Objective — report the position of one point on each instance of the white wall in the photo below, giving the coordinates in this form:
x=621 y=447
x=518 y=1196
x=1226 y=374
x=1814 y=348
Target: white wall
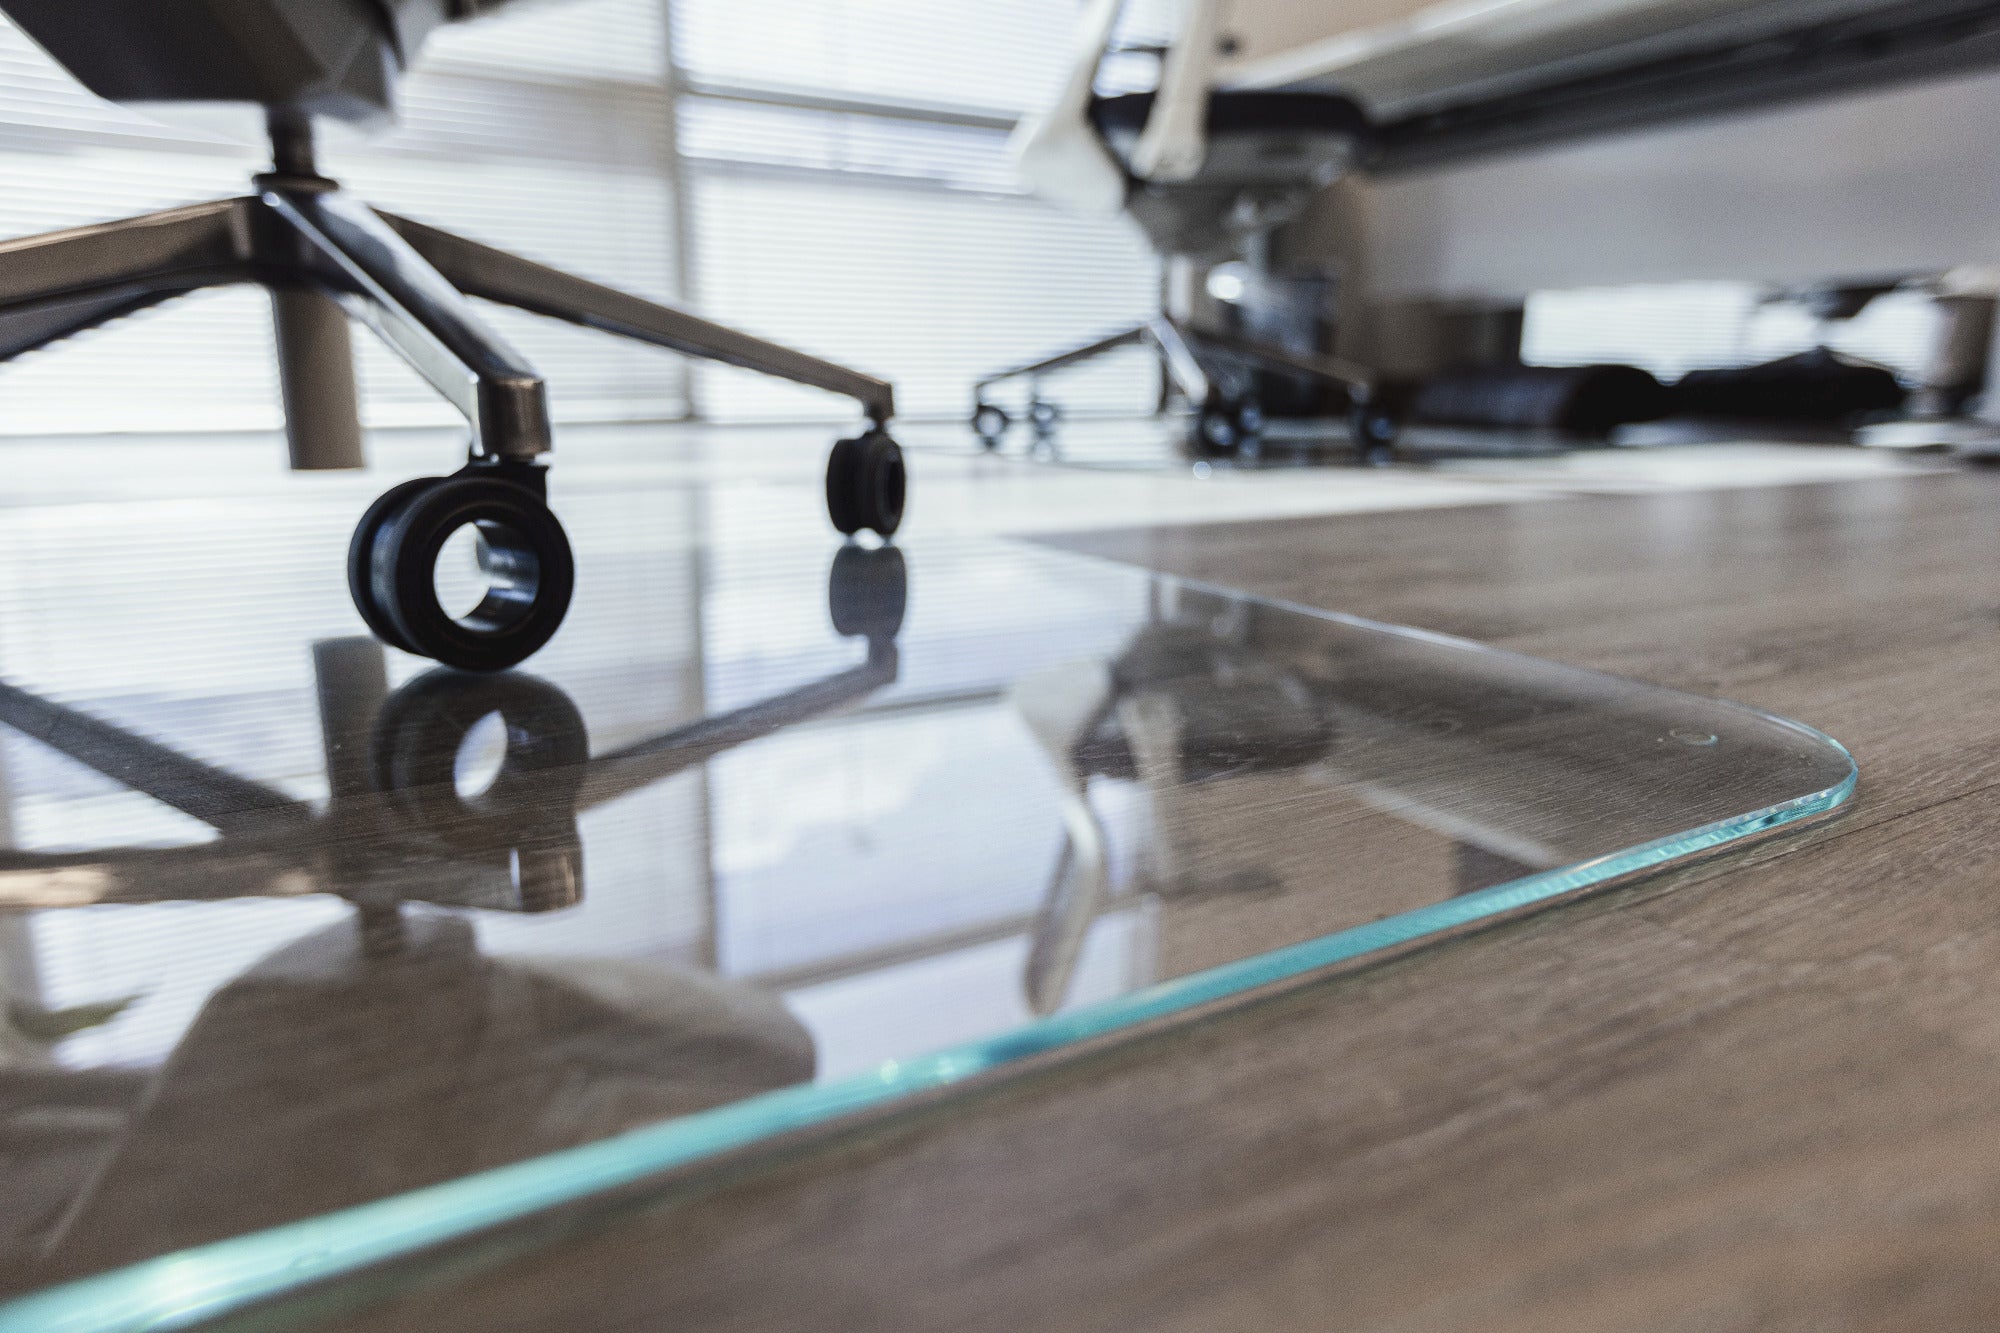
x=1904 y=180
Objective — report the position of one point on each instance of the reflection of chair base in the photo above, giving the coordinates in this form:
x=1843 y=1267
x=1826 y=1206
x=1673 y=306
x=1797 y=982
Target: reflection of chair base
x=1213 y=374
x=326 y=256
x=395 y=826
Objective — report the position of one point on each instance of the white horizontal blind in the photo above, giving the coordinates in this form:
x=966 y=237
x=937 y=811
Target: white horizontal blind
x=849 y=194
x=69 y=158
x=1672 y=328
x=542 y=129
x=1000 y=55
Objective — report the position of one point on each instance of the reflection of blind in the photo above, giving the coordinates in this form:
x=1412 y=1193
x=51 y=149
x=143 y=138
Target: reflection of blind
x=1671 y=328
x=849 y=193
x=542 y=130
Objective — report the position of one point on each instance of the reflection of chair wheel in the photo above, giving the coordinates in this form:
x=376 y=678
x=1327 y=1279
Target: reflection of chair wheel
x=525 y=810
x=989 y=423
x=392 y=569
x=422 y=729
x=866 y=591
x=864 y=484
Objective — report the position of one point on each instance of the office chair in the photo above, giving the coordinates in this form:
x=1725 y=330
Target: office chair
x=1202 y=170
x=327 y=256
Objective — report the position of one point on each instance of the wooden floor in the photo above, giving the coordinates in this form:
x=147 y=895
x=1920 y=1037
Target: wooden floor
x=1761 y=1092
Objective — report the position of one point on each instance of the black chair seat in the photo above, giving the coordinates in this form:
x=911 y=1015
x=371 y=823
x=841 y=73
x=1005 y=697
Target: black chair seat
x=1244 y=111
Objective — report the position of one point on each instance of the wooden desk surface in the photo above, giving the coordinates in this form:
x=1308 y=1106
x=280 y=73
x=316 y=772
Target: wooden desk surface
x=1761 y=1092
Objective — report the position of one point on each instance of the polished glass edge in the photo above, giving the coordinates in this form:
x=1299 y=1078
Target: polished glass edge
x=179 y=1290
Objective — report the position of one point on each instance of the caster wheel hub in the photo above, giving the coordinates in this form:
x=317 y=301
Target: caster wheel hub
x=523 y=556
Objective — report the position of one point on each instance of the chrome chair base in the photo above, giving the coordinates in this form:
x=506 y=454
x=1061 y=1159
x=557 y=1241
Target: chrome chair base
x=326 y=257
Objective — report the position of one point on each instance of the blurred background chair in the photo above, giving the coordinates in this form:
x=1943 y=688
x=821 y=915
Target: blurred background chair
x=326 y=256
x=1206 y=173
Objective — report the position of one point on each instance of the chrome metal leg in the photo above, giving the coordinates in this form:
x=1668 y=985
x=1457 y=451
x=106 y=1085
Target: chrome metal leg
x=177 y=250
x=494 y=275
x=1063 y=360
x=63 y=282
x=419 y=313
x=26 y=328
x=1178 y=355
x=1330 y=368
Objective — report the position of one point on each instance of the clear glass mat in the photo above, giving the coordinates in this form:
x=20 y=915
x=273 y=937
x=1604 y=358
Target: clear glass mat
x=313 y=958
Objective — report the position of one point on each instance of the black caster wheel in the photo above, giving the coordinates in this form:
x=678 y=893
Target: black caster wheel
x=866 y=591
x=1044 y=417
x=1374 y=427
x=989 y=423
x=360 y=552
x=392 y=570
x=1216 y=433
x=1249 y=432
x=864 y=485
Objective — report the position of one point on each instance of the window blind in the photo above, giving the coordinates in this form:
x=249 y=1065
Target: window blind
x=1001 y=55
x=543 y=130
x=849 y=193
x=846 y=191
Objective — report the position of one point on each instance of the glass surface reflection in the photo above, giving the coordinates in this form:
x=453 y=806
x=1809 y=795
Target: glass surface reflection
x=349 y=940
x=388 y=1050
